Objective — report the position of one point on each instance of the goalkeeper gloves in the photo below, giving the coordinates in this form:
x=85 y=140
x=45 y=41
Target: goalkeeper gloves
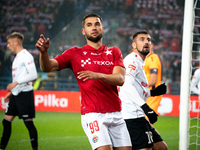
x=159 y=90
x=150 y=113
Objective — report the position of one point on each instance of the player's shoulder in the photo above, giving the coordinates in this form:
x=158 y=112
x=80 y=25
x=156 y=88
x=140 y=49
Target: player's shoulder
x=133 y=63
x=154 y=55
x=72 y=49
x=26 y=54
x=132 y=58
x=153 y=58
x=115 y=51
x=75 y=48
x=114 y=48
x=197 y=71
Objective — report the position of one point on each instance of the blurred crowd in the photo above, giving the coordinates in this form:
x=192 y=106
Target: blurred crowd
x=32 y=18
x=163 y=19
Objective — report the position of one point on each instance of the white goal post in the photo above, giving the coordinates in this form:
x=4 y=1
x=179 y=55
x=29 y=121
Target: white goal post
x=186 y=73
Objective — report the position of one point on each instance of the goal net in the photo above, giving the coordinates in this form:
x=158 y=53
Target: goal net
x=194 y=122
x=189 y=125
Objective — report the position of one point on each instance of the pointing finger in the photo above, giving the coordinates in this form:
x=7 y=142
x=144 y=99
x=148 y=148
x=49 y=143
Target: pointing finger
x=48 y=41
x=42 y=36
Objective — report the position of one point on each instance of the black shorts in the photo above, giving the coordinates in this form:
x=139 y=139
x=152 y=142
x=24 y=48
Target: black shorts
x=142 y=134
x=22 y=105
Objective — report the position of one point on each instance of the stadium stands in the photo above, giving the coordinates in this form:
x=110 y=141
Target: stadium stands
x=58 y=19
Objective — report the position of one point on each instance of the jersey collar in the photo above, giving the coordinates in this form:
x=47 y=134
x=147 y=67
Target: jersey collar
x=90 y=48
x=138 y=56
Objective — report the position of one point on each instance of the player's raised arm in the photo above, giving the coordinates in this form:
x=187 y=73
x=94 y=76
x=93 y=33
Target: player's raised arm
x=46 y=64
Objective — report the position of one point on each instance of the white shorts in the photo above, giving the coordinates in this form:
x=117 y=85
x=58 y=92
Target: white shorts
x=106 y=129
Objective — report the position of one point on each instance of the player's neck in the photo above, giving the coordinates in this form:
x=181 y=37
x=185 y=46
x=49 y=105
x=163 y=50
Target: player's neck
x=19 y=49
x=96 y=45
x=141 y=55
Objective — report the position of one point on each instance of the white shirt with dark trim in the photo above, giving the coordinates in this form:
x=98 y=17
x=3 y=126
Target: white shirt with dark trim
x=23 y=71
x=135 y=90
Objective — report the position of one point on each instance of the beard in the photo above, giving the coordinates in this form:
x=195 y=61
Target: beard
x=143 y=52
x=94 y=39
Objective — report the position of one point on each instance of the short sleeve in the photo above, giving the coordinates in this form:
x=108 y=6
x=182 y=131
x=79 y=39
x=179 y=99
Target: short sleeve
x=64 y=60
x=154 y=62
x=118 y=58
x=131 y=68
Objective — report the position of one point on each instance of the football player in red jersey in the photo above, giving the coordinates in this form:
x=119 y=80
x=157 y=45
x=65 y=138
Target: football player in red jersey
x=99 y=70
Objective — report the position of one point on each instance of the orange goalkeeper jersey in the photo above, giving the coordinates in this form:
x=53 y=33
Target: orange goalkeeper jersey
x=153 y=62
x=150 y=63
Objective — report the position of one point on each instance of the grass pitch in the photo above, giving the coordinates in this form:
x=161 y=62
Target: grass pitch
x=63 y=131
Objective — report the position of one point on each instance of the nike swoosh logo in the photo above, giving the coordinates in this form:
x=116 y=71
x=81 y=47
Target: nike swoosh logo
x=150 y=112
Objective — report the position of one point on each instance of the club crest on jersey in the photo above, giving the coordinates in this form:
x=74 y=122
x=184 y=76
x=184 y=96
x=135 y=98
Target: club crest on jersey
x=108 y=52
x=87 y=61
x=95 y=138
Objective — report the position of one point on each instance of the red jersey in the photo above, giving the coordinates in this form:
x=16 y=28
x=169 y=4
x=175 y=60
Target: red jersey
x=96 y=95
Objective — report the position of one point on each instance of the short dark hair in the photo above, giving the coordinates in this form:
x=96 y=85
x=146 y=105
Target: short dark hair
x=16 y=35
x=139 y=32
x=91 y=15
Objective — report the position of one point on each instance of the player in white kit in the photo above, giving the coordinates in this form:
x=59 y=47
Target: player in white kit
x=195 y=83
x=20 y=92
x=134 y=93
